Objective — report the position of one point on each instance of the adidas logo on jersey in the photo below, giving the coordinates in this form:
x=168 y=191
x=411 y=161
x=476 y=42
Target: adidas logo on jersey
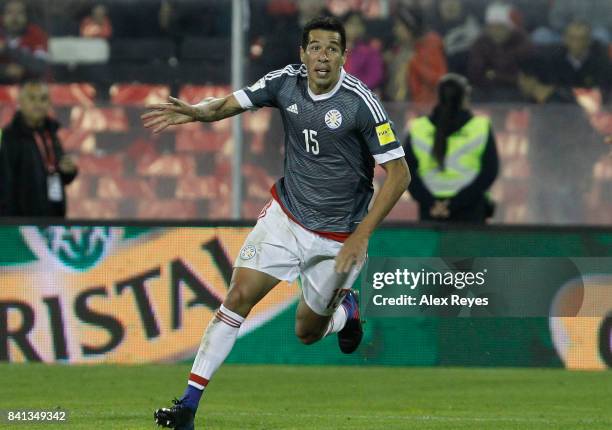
x=293 y=108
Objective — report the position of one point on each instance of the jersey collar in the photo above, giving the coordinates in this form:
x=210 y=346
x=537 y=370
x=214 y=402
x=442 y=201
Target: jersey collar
x=325 y=96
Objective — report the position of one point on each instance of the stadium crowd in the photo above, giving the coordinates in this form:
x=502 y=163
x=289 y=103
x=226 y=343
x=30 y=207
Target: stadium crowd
x=540 y=69
x=399 y=48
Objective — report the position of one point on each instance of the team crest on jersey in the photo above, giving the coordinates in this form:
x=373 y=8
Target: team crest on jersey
x=333 y=119
x=247 y=252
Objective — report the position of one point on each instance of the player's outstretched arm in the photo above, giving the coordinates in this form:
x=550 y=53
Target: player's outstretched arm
x=160 y=116
x=355 y=247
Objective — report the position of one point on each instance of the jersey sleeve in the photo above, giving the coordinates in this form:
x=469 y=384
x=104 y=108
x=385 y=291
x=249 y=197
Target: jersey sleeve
x=261 y=93
x=377 y=130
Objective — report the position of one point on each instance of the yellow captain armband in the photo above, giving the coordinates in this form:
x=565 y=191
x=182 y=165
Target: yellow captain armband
x=385 y=134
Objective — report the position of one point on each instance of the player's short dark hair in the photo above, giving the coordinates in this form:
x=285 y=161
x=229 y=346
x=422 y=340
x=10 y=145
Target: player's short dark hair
x=328 y=23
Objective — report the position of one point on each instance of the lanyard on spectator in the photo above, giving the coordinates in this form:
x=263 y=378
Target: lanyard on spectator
x=45 y=146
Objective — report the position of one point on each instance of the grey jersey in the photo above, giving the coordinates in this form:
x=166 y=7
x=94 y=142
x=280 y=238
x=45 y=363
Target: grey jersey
x=332 y=141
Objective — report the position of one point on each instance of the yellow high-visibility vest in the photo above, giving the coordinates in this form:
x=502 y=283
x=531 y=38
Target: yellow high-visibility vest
x=463 y=155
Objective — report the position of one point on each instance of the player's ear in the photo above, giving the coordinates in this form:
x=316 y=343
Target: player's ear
x=302 y=53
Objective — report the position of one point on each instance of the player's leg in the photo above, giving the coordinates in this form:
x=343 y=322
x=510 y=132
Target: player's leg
x=310 y=326
x=247 y=288
x=267 y=256
x=328 y=305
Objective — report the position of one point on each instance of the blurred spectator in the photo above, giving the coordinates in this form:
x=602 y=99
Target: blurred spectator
x=33 y=167
x=459 y=30
x=416 y=62
x=530 y=14
x=452 y=158
x=169 y=19
x=309 y=9
x=341 y=8
x=582 y=62
x=598 y=13
x=536 y=89
x=364 y=57
x=561 y=140
x=267 y=50
x=494 y=58
x=23 y=45
x=62 y=18
x=97 y=24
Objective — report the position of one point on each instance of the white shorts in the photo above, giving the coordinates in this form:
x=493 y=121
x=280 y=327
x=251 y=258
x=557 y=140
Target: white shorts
x=285 y=250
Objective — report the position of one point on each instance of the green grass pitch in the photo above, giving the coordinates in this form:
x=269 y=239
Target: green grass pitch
x=316 y=398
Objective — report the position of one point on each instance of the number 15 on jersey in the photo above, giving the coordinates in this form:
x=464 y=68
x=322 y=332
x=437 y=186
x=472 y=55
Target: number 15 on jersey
x=310 y=138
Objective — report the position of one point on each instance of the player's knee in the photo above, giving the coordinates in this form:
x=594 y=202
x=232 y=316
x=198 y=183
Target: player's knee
x=307 y=336
x=238 y=299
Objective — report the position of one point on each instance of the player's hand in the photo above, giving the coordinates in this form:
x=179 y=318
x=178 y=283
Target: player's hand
x=353 y=252
x=162 y=115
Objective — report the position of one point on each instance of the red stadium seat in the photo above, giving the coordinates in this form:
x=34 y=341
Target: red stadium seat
x=200 y=140
x=9 y=93
x=101 y=165
x=93 y=209
x=118 y=188
x=168 y=209
x=6 y=113
x=138 y=94
x=80 y=188
x=167 y=165
x=196 y=93
x=77 y=140
x=206 y=187
x=72 y=94
x=99 y=119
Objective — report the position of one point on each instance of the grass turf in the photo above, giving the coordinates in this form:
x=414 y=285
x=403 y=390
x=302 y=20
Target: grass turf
x=316 y=398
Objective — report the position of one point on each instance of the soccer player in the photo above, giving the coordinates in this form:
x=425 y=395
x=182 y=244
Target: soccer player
x=317 y=225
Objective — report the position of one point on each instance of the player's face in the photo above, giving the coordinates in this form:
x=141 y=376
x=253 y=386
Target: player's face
x=323 y=58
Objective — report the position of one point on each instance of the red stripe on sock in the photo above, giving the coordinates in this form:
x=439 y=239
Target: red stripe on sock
x=228 y=318
x=223 y=318
x=234 y=320
x=198 y=379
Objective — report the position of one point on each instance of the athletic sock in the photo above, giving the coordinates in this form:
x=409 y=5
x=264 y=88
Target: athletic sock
x=216 y=344
x=191 y=397
x=337 y=321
